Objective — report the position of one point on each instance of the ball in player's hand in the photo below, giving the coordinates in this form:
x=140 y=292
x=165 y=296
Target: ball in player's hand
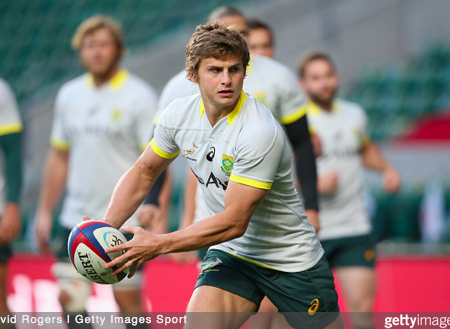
x=86 y=246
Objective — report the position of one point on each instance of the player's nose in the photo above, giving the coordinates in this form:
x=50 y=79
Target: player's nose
x=226 y=78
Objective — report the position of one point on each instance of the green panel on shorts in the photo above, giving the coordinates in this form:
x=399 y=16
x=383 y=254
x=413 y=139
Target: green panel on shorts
x=351 y=251
x=309 y=296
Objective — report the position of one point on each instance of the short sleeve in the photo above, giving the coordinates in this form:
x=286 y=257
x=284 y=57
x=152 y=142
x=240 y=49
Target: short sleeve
x=291 y=98
x=9 y=114
x=363 y=133
x=253 y=167
x=59 y=138
x=144 y=122
x=163 y=142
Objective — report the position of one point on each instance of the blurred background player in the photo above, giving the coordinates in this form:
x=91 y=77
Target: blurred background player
x=260 y=38
x=346 y=149
x=10 y=181
x=104 y=117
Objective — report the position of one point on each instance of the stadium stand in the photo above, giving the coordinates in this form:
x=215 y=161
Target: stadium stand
x=35 y=35
x=397 y=95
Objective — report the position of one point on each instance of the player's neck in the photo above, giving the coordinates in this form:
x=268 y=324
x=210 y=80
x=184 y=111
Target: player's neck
x=101 y=79
x=326 y=106
x=215 y=112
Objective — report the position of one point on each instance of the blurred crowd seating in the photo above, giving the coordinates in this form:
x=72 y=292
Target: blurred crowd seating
x=396 y=95
x=35 y=35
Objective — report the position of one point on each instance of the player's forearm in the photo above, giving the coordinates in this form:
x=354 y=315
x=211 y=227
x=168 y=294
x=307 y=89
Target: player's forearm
x=305 y=161
x=129 y=194
x=207 y=232
x=373 y=159
x=54 y=180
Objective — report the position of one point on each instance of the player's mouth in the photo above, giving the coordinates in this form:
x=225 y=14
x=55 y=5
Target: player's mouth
x=226 y=93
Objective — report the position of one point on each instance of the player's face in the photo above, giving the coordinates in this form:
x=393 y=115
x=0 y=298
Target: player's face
x=238 y=22
x=320 y=82
x=220 y=81
x=260 y=42
x=99 y=52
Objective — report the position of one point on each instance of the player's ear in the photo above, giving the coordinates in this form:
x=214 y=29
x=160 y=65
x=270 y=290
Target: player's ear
x=192 y=77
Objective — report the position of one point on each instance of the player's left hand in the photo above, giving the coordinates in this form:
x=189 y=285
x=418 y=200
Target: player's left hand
x=313 y=218
x=391 y=180
x=10 y=223
x=143 y=247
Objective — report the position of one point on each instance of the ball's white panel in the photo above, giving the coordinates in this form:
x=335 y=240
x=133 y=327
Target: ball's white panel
x=91 y=266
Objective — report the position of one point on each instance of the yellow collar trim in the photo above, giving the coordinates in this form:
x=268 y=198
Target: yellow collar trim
x=233 y=115
x=314 y=110
x=114 y=83
x=250 y=65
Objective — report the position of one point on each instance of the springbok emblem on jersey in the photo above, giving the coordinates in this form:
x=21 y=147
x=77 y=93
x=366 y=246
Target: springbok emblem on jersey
x=190 y=151
x=227 y=165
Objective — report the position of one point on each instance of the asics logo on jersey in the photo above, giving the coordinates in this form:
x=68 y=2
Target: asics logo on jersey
x=190 y=151
x=314 y=306
x=210 y=155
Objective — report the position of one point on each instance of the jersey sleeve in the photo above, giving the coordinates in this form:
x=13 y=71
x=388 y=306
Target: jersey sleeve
x=144 y=121
x=363 y=133
x=257 y=159
x=290 y=99
x=59 y=138
x=163 y=142
x=9 y=114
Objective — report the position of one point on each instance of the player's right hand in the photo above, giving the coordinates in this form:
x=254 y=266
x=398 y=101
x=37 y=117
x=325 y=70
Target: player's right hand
x=44 y=225
x=327 y=183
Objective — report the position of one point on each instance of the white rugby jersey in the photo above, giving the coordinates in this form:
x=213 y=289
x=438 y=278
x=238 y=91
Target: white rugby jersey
x=342 y=133
x=248 y=147
x=270 y=82
x=10 y=123
x=105 y=130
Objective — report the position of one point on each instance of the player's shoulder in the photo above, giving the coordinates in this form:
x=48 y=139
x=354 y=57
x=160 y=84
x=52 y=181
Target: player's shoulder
x=271 y=65
x=181 y=111
x=350 y=108
x=74 y=85
x=5 y=89
x=140 y=86
x=259 y=127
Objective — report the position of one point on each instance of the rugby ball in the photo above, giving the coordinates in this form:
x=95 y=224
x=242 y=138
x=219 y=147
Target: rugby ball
x=86 y=246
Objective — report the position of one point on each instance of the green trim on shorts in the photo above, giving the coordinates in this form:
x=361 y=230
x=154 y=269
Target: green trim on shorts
x=350 y=251
x=308 y=296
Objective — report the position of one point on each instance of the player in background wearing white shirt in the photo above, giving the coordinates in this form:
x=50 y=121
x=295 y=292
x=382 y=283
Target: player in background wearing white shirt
x=341 y=127
x=261 y=241
x=260 y=38
x=102 y=123
x=10 y=181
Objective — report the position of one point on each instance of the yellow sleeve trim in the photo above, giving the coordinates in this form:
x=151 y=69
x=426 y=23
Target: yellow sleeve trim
x=250 y=182
x=143 y=146
x=294 y=116
x=160 y=152
x=250 y=261
x=59 y=144
x=10 y=128
x=155 y=120
x=365 y=141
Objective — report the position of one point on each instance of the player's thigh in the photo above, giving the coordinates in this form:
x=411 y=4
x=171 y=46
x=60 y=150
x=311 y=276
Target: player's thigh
x=358 y=283
x=212 y=307
x=308 y=299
